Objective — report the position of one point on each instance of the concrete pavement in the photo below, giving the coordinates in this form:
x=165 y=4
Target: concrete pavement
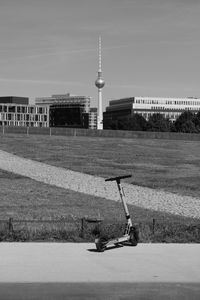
x=78 y=262
x=48 y=271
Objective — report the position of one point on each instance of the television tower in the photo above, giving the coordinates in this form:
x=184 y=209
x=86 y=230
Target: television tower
x=100 y=84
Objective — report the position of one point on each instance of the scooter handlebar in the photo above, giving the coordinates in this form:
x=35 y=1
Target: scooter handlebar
x=118 y=178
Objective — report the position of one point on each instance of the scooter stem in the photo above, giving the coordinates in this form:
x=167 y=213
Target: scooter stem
x=122 y=196
x=121 y=192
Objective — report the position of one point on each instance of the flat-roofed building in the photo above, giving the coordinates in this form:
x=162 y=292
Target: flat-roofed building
x=67 y=110
x=93 y=118
x=14 y=99
x=146 y=106
x=15 y=111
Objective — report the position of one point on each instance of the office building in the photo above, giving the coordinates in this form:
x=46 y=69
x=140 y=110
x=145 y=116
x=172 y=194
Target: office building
x=93 y=118
x=14 y=99
x=146 y=106
x=15 y=111
x=66 y=110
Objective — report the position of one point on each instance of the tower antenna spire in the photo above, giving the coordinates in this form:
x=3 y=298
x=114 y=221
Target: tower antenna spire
x=99 y=53
x=99 y=84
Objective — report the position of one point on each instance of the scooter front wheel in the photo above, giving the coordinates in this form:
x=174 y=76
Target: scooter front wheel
x=100 y=244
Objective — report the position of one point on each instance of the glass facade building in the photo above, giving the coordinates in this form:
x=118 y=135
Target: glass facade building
x=66 y=110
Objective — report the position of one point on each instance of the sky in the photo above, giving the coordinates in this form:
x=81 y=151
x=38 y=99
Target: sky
x=149 y=48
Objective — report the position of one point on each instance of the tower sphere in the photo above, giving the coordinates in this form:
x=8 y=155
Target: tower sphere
x=99 y=83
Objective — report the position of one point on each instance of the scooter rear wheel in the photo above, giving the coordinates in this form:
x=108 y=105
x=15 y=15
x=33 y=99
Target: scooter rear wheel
x=134 y=236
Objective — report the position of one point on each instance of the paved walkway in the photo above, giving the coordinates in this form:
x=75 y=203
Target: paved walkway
x=96 y=186
x=78 y=262
x=55 y=271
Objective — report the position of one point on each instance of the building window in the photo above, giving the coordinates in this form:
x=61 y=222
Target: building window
x=11 y=108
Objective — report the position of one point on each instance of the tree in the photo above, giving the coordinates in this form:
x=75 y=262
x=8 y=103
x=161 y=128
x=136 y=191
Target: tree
x=157 y=122
x=113 y=125
x=196 y=121
x=185 y=122
x=188 y=127
x=137 y=122
x=133 y=122
x=122 y=124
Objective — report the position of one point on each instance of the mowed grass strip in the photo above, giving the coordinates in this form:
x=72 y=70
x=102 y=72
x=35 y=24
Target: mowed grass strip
x=24 y=199
x=169 y=165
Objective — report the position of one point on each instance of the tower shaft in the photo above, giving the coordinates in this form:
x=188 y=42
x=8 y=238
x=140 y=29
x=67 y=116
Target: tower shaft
x=100 y=111
x=99 y=84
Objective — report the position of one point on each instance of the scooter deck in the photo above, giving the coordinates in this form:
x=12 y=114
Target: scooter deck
x=119 y=240
x=114 y=242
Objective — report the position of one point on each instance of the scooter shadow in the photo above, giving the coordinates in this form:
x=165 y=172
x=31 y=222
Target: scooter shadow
x=107 y=249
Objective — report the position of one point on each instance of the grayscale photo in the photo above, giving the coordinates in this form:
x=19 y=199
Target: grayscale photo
x=99 y=149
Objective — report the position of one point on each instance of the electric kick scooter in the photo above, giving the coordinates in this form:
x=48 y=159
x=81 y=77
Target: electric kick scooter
x=131 y=233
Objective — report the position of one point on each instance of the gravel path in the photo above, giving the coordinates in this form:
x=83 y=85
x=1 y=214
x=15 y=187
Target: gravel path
x=96 y=186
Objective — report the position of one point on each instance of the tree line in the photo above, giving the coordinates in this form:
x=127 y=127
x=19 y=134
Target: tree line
x=187 y=122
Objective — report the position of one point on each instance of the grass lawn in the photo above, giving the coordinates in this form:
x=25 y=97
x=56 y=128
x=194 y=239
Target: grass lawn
x=22 y=198
x=169 y=165
x=161 y=164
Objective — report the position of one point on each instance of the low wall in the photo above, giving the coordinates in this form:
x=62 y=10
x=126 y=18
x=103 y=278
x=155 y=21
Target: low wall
x=99 y=133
